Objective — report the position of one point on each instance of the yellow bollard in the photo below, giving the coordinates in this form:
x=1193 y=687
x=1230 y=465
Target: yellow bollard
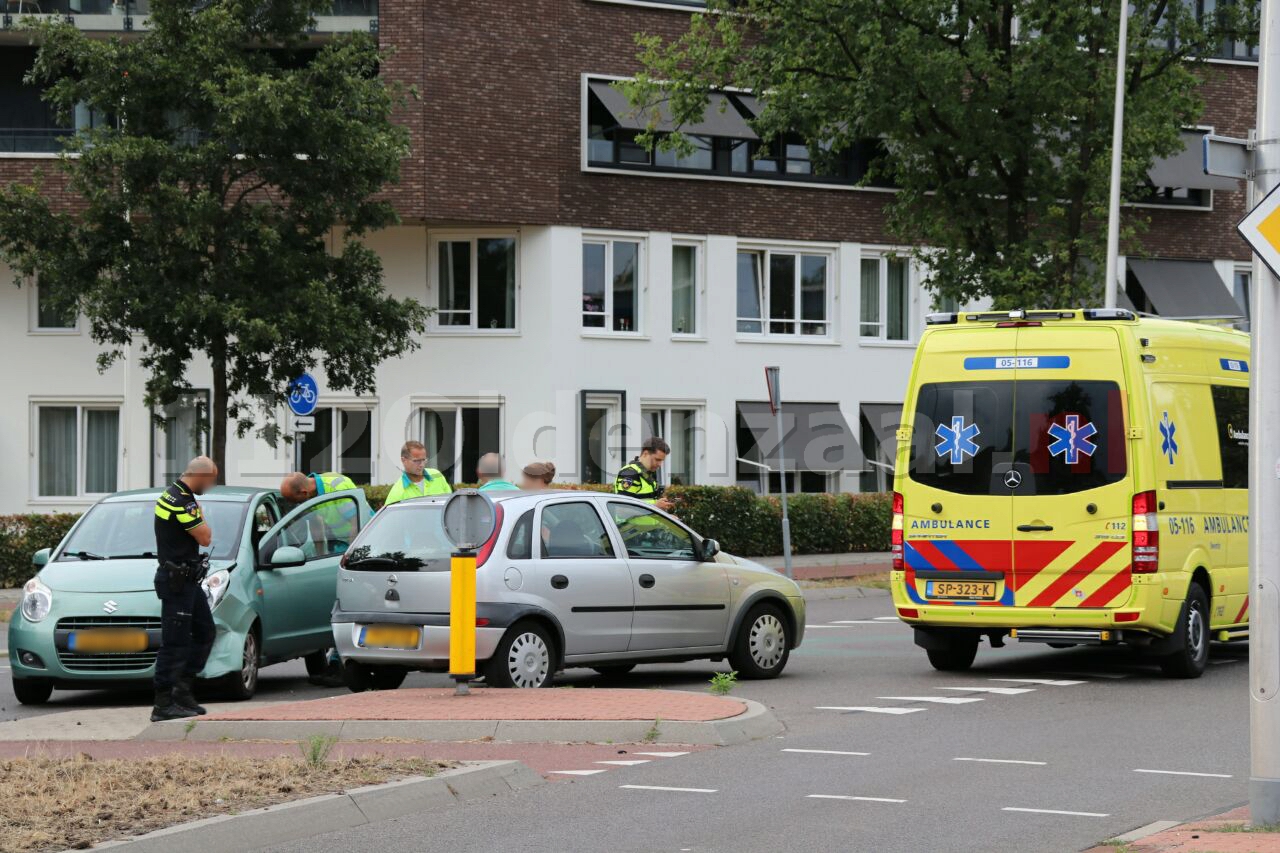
x=462 y=619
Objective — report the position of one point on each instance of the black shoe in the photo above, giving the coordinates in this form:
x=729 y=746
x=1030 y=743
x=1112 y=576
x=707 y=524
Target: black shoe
x=166 y=709
x=184 y=697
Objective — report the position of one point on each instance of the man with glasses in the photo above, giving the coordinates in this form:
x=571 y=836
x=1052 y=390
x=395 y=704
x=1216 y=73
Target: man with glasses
x=417 y=480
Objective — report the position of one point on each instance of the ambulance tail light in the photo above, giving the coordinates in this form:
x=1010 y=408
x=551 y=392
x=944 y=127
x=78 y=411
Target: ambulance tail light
x=898 y=563
x=1146 y=534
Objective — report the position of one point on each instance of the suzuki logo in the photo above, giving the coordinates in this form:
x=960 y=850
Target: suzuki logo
x=110 y=607
x=1012 y=479
x=393 y=580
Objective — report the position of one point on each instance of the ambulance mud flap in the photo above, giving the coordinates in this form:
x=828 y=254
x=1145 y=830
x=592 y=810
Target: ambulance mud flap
x=1160 y=646
x=941 y=639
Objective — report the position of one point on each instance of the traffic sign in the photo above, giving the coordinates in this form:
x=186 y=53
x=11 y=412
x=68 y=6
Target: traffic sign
x=304 y=423
x=1261 y=230
x=469 y=519
x=1228 y=157
x=304 y=393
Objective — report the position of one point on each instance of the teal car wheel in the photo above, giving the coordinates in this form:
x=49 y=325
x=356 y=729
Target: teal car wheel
x=240 y=686
x=32 y=691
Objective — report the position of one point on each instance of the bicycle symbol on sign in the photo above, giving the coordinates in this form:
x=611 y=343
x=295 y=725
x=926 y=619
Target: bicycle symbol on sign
x=302 y=393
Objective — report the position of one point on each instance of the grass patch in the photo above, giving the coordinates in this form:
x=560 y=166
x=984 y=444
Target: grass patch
x=1242 y=827
x=51 y=804
x=722 y=683
x=879 y=580
x=654 y=732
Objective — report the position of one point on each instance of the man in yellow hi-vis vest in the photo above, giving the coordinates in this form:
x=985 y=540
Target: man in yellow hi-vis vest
x=639 y=478
x=340 y=519
x=417 y=480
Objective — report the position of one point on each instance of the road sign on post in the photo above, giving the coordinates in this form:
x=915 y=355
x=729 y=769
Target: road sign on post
x=304 y=424
x=1228 y=157
x=469 y=519
x=773 y=377
x=1262 y=229
x=304 y=393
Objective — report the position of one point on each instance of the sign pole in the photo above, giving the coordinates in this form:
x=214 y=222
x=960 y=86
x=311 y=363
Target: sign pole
x=773 y=375
x=1117 y=157
x=1264 y=457
x=462 y=620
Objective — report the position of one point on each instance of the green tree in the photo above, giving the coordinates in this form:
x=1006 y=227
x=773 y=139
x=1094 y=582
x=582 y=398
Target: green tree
x=994 y=116
x=230 y=172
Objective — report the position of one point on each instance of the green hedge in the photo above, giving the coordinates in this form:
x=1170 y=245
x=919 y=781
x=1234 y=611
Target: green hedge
x=743 y=522
x=23 y=535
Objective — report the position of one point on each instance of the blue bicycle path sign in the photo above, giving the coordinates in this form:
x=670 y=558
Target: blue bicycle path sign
x=303 y=395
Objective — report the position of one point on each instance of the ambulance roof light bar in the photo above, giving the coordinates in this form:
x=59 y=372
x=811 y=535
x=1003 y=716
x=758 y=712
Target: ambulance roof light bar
x=1109 y=314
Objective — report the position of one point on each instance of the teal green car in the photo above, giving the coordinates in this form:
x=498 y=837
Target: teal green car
x=90 y=618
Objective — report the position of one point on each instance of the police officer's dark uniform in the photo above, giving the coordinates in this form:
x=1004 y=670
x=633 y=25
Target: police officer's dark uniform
x=186 y=625
x=638 y=481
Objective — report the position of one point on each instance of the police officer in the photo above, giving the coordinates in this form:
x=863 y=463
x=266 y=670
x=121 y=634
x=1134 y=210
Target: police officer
x=186 y=625
x=639 y=478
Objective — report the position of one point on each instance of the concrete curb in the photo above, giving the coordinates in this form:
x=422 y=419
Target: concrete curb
x=755 y=722
x=331 y=812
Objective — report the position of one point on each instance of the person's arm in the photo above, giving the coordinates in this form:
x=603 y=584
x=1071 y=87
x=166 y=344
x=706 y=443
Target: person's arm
x=192 y=520
x=629 y=482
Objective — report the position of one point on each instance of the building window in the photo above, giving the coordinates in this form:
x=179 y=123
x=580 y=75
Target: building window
x=685 y=289
x=1241 y=289
x=679 y=428
x=48 y=315
x=611 y=285
x=885 y=303
x=783 y=294
x=815 y=444
x=77 y=450
x=183 y=435
x=878 y=425
x=457 y=436
x=475 y=282
x=342 y=442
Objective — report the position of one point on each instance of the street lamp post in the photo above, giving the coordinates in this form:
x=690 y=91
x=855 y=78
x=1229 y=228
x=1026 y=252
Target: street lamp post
x=1117 y=158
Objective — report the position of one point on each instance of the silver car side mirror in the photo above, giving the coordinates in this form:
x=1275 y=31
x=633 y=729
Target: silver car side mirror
x=710 y=548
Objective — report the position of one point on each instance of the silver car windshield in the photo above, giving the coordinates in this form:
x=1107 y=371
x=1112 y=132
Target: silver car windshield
x=407 y=538
x=126 y=529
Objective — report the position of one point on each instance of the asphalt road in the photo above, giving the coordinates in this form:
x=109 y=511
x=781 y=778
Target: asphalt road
x=1052 y=760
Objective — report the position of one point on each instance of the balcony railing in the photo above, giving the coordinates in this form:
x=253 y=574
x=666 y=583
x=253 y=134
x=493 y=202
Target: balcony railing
x=125 y=15
x=33 y=140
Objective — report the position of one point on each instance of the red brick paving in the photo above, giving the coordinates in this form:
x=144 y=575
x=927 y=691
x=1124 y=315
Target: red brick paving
x=1205 y=836
x=541 y=757
x=488 y=704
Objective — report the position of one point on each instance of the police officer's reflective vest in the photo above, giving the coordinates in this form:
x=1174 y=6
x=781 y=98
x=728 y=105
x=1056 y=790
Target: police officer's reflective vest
x=433 y=483
x=340 y=517
x=639 y=482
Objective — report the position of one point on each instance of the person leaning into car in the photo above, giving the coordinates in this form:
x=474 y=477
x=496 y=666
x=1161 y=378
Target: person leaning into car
x=186 y=625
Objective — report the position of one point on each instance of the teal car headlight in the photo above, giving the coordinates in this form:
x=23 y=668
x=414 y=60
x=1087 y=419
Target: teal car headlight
x=37 y=600
x=215 y=586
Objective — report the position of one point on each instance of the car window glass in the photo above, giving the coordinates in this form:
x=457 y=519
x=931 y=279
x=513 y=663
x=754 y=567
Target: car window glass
x=1231 y=411
x=960 y=433
x=648 y=535
x=520 y=546
x=263 y=518
x=1069 y=434
x=324 y=530
x=573 y=530
x=127 y=529
x=407 y=536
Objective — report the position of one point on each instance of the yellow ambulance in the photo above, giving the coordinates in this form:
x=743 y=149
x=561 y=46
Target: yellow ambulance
x=1074 y=478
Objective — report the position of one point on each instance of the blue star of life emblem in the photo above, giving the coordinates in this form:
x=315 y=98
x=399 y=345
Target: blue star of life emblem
x=1072 y=439
x=1168 y=447
x=957 y=440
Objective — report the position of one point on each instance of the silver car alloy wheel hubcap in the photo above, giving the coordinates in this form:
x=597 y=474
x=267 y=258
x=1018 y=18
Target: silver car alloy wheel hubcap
x=249 y=667
x=1195 y=632
x=768 y=639
x=529 y=660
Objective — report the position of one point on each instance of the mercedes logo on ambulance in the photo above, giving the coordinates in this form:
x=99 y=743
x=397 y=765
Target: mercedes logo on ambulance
x=1012 y=479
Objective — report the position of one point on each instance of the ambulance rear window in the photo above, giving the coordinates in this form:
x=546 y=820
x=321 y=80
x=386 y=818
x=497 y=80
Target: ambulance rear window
x=1060 y=436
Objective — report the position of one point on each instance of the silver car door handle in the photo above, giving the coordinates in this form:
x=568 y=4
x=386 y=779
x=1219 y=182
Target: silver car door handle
x=647 y=581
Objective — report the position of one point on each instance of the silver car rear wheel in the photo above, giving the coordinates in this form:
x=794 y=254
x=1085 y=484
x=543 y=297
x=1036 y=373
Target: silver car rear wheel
x=762 y=644
x=525 y=658
x=768 y=640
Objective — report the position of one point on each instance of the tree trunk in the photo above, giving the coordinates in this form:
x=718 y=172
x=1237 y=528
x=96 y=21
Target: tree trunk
x=218 y=418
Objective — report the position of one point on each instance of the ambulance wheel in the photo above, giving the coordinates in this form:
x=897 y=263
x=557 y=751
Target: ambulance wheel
x=1190 y=660
x=956 y=656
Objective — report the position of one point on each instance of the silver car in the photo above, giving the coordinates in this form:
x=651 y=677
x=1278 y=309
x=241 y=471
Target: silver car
x=568 y=579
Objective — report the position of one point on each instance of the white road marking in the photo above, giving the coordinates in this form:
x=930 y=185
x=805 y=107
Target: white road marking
x=941 y=700
x=1002 y=761
x=1111 y=675
x=1186 y=773
x=631 y=763
x=825 y=626
x=1054 y=811
x=888 y=619
x=868 y=709
x=825 y=752
x=663 y=754
x=577 y=772
x=662 y=788
x=859 y=621
x=1046 y=681
x=1225 y=660
x=859 y=799
x=999 y=691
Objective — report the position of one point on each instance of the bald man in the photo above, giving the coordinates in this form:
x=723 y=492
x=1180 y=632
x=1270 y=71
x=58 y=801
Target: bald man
x=186 y=625
x=489 y=475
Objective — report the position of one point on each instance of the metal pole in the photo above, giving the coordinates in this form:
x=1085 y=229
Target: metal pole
x=1264 y=459
x=782 y=482
x=1117 y=157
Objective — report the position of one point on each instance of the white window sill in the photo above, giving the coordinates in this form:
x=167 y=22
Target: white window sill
x=53 y=332
x=615 y=336
x=459 y=332
x=884 y=344
x=697 y=339
x=785 y=340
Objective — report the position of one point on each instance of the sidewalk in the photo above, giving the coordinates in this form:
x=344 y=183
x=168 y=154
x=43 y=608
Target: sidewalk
x=812 y=567
x=1224 y=833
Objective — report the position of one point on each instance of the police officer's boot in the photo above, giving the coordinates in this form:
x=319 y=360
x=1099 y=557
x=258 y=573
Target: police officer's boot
x=184 y=696
x=167 y=709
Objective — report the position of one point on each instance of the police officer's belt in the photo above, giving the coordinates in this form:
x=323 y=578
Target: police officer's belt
x=194 y=571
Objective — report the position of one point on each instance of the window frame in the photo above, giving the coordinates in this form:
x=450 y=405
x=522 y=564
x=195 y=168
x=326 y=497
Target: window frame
x=699 y=247
x=418 y=431
x=435 y=239
x=605 y=524
x=608 y=239
x=82 y=406
x=883 y=258
x=33 y=315
x=697 y=410
x=335 y=461
x=159 y=434
x=764 y=254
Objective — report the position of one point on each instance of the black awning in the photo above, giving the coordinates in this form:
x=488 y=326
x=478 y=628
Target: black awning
x=816 y=437
x=720 y=119
x=1186 y=168
x=1188 y=290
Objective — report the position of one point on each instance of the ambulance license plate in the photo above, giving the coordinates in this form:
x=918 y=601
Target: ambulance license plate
x=390 y=636
x=967 y=590
x=106 y=641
